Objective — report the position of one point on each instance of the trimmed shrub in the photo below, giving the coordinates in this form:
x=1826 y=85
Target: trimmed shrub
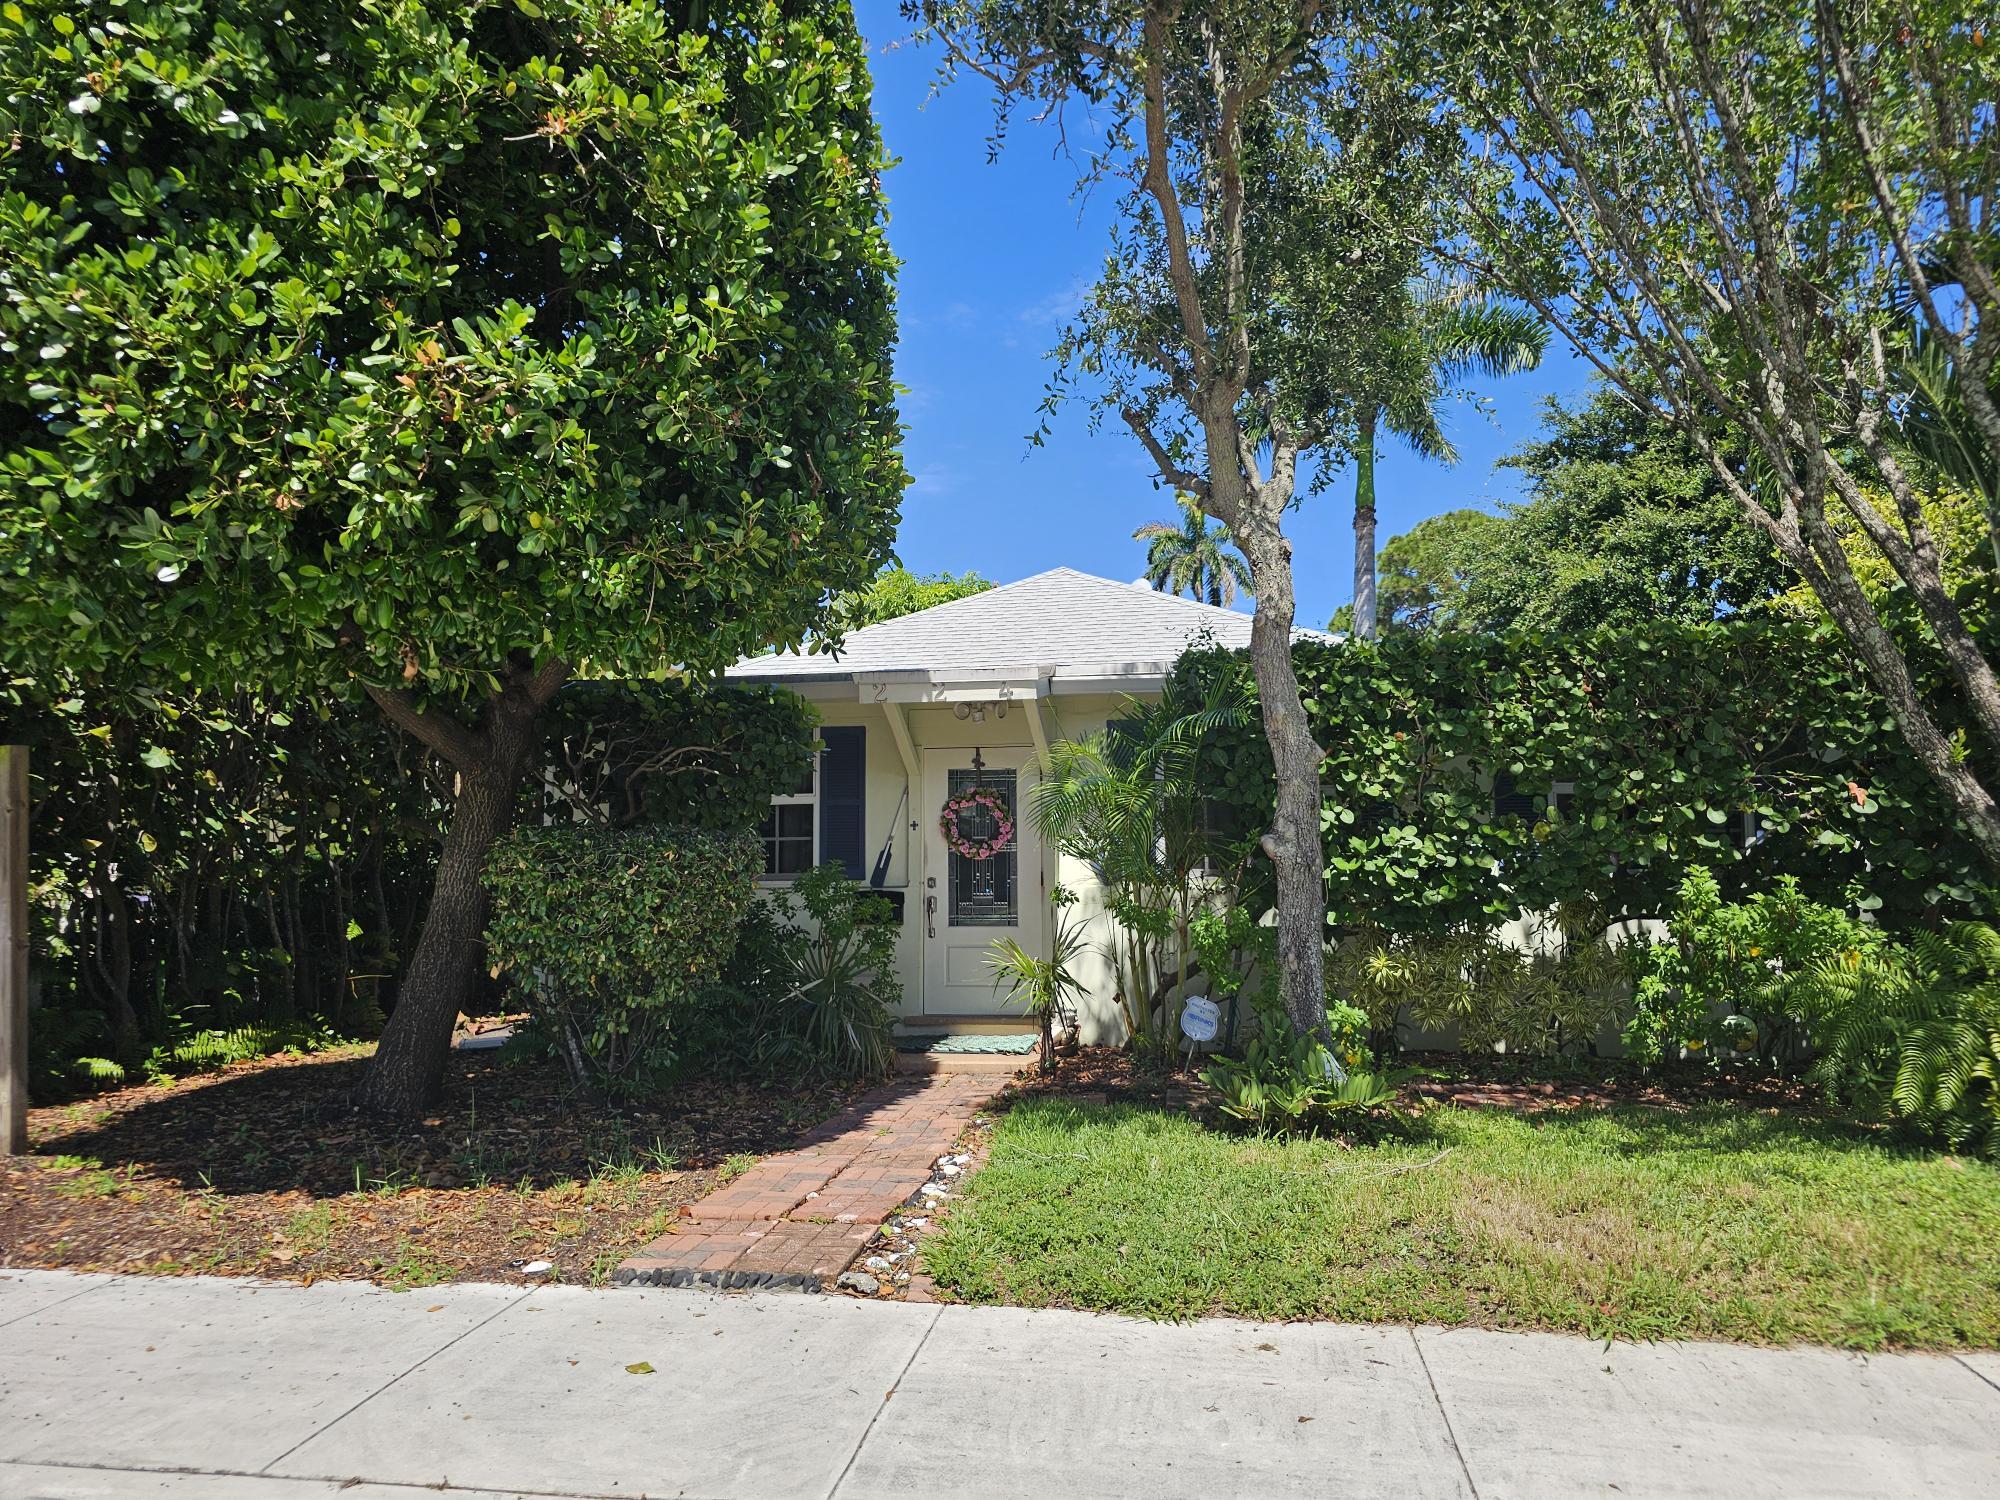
x=607 y=935
x=1722 y=982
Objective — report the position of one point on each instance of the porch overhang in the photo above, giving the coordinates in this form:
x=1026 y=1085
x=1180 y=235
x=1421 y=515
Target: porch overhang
x=921 y=685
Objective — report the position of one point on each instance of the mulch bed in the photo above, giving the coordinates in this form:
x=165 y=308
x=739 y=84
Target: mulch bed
x=266 y=1169
x=1525 y=1085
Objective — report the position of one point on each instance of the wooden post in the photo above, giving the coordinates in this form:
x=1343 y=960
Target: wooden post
x=13 y=950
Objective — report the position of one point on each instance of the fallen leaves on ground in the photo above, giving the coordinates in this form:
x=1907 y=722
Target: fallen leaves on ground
x=267 y=1169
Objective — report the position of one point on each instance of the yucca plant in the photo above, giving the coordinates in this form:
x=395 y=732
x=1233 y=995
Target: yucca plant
x=1912 y=1033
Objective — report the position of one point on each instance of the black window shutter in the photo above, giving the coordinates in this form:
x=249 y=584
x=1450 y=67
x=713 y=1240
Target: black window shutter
x=1510 y=801
x=843 y=780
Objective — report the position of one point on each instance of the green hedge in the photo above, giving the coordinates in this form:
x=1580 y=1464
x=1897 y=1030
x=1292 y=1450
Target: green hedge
x=607 y=934
x=1669 y=735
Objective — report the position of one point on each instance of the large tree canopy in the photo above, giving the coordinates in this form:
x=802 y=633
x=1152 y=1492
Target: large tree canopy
x=1742 y=213
x=1273 y=178
x=441 y=348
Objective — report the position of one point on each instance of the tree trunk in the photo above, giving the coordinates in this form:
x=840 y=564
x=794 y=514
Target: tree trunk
x=1825 y=569
x=1293 y=842
x=1364 y=529
x=442 y=976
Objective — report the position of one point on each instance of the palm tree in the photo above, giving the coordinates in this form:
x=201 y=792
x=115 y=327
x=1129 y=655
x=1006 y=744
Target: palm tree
x=1452 y=331
x=1192 y=559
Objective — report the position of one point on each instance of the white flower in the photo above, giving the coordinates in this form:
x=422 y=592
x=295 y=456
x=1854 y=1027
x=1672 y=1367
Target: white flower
x=53 y=351
x=85 y=104
x=227 y=117
x=169 y=573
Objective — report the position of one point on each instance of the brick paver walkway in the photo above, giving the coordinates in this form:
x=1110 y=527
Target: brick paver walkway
x=801 y=1217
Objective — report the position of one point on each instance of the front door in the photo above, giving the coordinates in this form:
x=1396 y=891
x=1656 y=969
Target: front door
x=969 y=902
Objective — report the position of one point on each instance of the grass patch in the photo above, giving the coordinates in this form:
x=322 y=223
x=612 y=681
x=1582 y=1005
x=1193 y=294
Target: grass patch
x=1631 y=1223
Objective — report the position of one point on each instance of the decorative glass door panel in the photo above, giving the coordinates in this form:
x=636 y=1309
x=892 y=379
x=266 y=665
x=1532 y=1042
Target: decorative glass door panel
x=983 y=891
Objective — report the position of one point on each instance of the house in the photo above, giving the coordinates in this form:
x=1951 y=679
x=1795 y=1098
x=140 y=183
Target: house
x=961 y=697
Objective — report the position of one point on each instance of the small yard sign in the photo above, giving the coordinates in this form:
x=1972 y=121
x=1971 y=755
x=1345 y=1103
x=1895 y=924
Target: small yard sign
x=1198 y=1019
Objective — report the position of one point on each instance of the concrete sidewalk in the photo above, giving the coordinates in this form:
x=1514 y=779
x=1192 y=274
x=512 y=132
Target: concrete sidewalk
x=235 y=1390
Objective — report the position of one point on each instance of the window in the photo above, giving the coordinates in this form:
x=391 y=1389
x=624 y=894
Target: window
x=791 y=828
x=1509 y=801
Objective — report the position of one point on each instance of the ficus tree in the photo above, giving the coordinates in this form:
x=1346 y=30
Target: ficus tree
x=437 y=351
x=1735 y=210
x=1259 y=151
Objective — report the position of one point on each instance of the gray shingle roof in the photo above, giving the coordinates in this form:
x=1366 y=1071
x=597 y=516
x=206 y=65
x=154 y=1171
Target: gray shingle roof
x=1061 y=623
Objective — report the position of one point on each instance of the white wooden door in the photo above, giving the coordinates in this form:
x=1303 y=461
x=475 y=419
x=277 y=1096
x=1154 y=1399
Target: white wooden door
x=969 y=903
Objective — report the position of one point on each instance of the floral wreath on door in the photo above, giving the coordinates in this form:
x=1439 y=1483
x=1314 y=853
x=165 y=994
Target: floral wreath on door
x=986 y=808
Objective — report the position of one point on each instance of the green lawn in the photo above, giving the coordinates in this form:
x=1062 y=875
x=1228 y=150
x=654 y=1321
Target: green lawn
x=1717 y=1223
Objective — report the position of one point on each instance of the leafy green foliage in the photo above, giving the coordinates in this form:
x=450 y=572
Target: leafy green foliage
x=607 y=935
x=1126 y=803
x=1048 y=988
x=1286 y=1083
x=688 y=755
x=811 y=990
x=1724 y=963
x=897 y=591
x=212 y=1049
x=1558 y=994
x=1912 y=1033
x=396 y=338
x=212 y=862
x=1754 y=275
x=1424 y=572
x=1624 y=524
x=1662 y=739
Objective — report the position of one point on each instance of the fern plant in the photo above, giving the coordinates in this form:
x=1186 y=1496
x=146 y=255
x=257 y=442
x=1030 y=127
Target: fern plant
x=1912 y=1033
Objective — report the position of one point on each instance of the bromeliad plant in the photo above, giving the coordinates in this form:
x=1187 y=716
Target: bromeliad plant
x=1048 y=987
x=1286 y=1083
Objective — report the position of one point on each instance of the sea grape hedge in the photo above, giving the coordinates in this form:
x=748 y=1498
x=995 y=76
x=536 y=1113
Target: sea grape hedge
x=1668 y=735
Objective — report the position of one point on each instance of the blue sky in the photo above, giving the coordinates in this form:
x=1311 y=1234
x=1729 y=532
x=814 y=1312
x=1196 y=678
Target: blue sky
x=993 y=257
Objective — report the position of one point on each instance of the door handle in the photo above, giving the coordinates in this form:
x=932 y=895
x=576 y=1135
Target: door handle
x=930 y=916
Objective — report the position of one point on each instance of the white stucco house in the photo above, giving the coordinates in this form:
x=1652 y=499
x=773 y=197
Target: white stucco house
x=918 y=709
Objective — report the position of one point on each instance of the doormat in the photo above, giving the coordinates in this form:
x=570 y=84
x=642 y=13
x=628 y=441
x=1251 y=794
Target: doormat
x=1018 y=1044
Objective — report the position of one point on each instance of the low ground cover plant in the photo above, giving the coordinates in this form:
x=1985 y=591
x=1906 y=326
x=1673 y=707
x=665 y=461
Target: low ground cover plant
x=1286 y=1083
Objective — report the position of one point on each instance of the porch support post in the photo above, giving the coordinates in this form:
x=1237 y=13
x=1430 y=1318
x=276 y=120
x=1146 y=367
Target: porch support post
x=1037 y=731
x=899 y=731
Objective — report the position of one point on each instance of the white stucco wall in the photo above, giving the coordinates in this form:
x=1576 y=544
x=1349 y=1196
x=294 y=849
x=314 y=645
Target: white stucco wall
x=886 y=816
